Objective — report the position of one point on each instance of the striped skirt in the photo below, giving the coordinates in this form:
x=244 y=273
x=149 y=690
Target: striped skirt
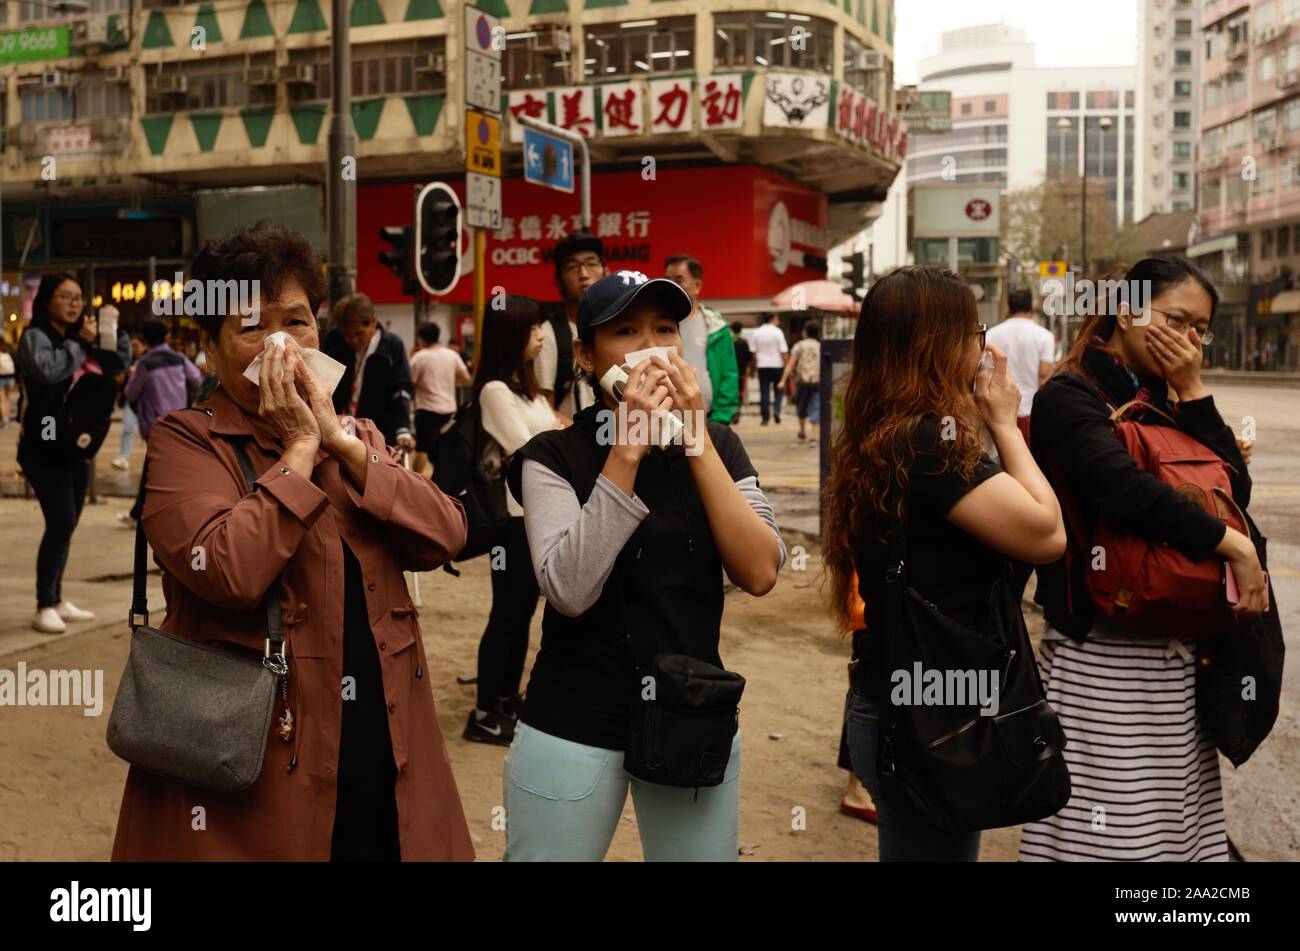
x=1145 y=774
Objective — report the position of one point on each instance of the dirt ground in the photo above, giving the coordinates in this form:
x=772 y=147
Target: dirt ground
x=60 y=787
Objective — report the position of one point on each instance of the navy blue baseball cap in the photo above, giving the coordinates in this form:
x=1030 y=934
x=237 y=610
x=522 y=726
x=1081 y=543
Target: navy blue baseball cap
x=614 y=293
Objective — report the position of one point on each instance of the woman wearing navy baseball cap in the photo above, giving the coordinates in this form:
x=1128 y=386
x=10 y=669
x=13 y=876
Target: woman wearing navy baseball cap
x=629 y=542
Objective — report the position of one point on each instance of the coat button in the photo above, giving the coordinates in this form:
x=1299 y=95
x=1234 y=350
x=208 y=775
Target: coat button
x=284 y=470
x=419 y=672
x=374 y=458
x=383 y=645
x=371 y=586
x=392 y=707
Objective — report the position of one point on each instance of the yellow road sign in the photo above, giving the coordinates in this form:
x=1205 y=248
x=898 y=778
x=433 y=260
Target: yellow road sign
x=482 y=143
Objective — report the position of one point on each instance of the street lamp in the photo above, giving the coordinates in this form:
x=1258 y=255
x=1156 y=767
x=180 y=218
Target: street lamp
x=1104 y=123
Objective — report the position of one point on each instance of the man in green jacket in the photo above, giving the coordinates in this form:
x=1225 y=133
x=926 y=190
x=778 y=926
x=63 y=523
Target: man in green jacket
x=706 y=342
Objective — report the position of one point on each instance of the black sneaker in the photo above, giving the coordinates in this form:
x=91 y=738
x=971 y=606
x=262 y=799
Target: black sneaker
x=777 y=417
x=495 y=728
x=513 y=707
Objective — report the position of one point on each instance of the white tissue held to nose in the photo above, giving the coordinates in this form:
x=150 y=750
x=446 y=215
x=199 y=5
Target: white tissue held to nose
x=326 y=369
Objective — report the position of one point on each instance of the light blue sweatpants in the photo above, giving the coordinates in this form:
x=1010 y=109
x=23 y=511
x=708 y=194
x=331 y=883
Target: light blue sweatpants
x=563 y=803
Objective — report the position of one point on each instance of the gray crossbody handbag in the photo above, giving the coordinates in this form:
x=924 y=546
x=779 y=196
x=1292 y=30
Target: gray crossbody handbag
x=190 y=712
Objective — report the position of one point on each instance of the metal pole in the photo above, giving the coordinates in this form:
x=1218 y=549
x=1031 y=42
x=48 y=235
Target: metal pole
x=1083 y=212
x=480 y=292
x=581 y=144
x=341 y=192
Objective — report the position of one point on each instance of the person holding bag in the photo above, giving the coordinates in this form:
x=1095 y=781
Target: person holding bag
x=68 y=393
x=629 y=543
x=1147 y=770
x=353 y=765
x=512 y=410
x=932 y=527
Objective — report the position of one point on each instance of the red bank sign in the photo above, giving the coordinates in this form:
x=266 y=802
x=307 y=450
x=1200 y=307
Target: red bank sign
x=754 y=231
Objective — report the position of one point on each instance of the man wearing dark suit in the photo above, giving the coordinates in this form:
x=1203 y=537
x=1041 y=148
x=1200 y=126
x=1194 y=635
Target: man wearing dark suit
x=377 y=382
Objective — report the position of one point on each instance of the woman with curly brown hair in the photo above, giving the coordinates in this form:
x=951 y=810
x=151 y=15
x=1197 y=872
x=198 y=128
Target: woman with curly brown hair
x=909 y=457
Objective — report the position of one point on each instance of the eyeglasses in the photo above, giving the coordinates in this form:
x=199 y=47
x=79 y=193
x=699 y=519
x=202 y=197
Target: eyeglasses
x=983 y=331
x=593 y=264
x=71 y=298
x=1182 y=325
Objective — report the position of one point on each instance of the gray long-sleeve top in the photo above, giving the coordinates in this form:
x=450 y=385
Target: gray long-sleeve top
x=43 y=363
x=574 y=547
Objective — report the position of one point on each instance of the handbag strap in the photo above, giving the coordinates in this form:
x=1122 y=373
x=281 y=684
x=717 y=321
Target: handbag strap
x=139 y=616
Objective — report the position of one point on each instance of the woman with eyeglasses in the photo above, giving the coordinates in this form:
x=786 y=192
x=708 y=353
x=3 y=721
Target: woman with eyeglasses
x=910 y=458
x=1145 y=771
x=56 y=350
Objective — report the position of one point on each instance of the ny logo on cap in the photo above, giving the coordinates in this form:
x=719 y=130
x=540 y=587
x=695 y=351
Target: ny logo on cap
x=633 y=277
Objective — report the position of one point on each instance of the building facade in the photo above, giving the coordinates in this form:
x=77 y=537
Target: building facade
x=1007 y=112
x=147 y=126
x=1249 y=214
x=1168 y=131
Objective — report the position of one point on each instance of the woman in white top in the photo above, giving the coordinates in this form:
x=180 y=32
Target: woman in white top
x=513 y=412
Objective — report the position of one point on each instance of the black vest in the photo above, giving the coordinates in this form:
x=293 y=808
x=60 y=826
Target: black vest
x=559 y=321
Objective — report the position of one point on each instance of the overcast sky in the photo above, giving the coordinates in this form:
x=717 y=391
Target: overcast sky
x=1065 y=32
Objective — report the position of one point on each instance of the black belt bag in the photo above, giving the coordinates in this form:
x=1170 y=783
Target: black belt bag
x=683 y=722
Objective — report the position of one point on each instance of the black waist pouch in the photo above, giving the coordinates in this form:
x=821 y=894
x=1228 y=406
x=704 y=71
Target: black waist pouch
x=683 y=722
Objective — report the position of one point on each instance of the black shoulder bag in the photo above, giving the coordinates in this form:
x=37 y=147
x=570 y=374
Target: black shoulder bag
x=194 y=713
x=964 y=767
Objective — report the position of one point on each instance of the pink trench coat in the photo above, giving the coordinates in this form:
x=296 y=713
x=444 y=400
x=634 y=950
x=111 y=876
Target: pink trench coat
x=292 y=527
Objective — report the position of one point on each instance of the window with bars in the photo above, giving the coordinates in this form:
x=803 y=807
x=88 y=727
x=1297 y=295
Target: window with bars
x=93 y=98
x=217 y=83
x=768 y=39
x=1182 y=58
x=523 y=67
x=1062 y=100
x=638 y=47
x=39 y=104
x=405 y=67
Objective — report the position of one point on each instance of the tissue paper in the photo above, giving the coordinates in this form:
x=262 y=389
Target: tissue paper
x=327 y=370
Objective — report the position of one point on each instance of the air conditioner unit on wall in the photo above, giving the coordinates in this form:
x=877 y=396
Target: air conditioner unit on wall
x=430 y=63
x=92 y=31
x=1288 y=79
x=299 y=73
x=54 y=78
x=1265 y=34
x=109 y=128
x=169 y=84
x=117 y=74
x=551 y=39
x=261 y=76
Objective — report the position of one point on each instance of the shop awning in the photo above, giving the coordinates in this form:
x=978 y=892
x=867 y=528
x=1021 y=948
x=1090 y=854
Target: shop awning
x=1224 y=242
x=1288 y=302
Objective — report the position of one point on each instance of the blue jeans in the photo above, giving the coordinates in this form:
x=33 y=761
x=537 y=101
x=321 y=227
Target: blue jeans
x=129 y=429
x=564 y=801
x=904 y=837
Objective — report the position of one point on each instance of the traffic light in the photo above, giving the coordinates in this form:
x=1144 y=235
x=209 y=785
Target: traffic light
x=398 y=259
x=853 y=272
x=437 y=238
